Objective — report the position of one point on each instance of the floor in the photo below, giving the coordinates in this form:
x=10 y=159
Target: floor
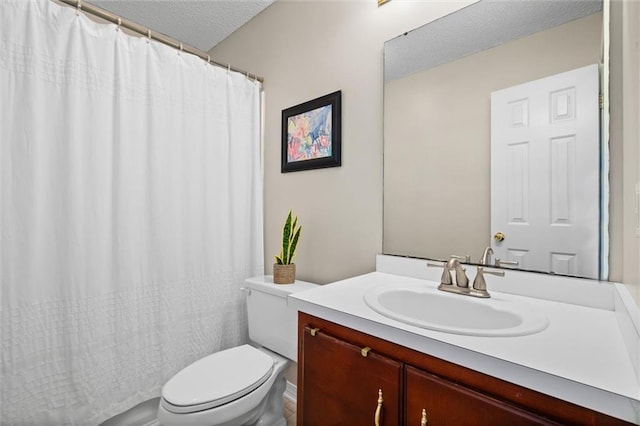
x=290 y=412
x=144 y=414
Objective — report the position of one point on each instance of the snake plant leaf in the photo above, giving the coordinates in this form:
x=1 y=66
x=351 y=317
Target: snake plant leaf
x=278 y=260
x=293 y=229
x=294 y=243
x=286 y=235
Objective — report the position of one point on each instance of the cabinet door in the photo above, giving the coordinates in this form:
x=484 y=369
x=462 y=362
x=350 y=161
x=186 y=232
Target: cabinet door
x=446 y=403
x=340 y=383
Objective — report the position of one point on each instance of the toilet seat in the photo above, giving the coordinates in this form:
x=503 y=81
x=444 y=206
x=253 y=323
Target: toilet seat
x=217 y=379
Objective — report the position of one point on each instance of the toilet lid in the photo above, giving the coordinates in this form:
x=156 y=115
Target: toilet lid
x=219 y=378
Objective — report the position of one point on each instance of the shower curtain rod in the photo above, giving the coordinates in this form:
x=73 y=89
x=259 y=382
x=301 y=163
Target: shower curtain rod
x=153 y=35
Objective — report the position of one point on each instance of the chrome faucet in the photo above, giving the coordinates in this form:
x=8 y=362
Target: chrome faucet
x=485 y=256
x=454 y=279
x=462 y=280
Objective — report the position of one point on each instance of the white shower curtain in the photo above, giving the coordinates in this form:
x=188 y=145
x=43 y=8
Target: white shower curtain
x=131 y=213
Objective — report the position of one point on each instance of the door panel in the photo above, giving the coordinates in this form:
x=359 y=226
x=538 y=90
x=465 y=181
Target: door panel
x=545 y=161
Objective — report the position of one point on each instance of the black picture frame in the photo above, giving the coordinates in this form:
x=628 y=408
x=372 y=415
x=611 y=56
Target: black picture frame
x=312 y=133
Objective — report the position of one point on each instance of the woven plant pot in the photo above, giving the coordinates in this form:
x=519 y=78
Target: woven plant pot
x=284 y=274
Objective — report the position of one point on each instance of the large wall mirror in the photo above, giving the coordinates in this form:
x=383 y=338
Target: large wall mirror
x=493 y=138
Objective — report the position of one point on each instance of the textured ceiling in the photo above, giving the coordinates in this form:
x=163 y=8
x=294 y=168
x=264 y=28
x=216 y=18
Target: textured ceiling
x=482 y=25
x=199 y=23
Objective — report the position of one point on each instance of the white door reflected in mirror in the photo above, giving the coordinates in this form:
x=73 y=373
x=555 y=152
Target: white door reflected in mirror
x=545 y=158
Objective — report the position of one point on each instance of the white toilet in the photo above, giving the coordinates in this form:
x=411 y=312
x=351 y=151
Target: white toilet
x=242 y=385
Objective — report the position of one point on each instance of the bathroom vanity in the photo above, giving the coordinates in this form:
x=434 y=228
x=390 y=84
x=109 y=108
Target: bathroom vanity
x=358 y=366
x=343 y=373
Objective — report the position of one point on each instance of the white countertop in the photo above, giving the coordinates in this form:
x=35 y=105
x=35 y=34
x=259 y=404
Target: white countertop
x=581 y=357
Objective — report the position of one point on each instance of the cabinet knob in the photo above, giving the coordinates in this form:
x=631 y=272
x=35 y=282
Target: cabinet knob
x=423 y=421
x=314 y=331
x=379 y=408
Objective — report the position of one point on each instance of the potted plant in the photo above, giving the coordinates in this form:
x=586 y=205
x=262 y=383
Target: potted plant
x=284 y=270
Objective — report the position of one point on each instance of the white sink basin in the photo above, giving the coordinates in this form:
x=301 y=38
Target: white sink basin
x=427 y=307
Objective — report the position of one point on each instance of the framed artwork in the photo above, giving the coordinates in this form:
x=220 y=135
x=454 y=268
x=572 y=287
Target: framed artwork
x=311 y=134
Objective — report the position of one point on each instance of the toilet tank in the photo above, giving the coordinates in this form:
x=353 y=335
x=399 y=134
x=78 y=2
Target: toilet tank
x=272 y=323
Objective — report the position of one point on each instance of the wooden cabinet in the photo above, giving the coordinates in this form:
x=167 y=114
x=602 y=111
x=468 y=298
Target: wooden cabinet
x=340 y=371
x=442 y=402
x=347 y=382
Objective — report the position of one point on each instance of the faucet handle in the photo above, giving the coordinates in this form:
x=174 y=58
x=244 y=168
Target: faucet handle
x=465 y=259
x=480 y=285
x=446 y=276
x=495 y=272
x=500 y=263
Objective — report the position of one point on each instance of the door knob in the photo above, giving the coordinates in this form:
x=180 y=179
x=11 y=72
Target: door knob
x=499 y=236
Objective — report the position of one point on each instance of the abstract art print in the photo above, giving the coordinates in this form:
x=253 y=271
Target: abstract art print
x=311 y=134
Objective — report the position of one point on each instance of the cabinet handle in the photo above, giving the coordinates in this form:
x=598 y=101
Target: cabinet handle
x=314 y=331
x=423 y=422
x=365 y=351
x=379 y=408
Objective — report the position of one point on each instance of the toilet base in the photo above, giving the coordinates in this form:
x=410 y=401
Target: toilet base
x=272 y=412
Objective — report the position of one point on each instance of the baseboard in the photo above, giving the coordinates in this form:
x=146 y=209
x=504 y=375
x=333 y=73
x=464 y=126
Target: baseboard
x=291 y=391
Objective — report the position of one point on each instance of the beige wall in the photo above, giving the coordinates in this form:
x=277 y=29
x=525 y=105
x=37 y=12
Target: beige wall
x=615 y=146
x=438 y=138
x=306 y=49
x=631 y=144
x=625 y=139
